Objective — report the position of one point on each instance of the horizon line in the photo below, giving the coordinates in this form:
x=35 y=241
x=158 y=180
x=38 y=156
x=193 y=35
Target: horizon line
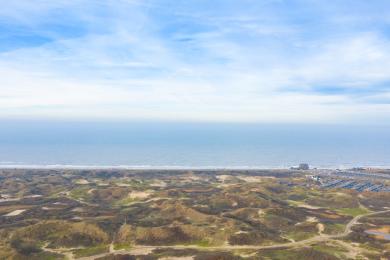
x=173 y=167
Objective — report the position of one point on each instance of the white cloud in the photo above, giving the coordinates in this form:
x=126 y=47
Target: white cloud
x=128 y=66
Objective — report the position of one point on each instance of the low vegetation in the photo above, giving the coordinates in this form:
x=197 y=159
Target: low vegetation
x=82 y=213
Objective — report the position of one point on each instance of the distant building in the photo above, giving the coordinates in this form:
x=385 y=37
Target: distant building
x=303 y=166
x=357 y=169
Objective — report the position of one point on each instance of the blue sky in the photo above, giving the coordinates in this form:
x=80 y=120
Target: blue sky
x=196 y=60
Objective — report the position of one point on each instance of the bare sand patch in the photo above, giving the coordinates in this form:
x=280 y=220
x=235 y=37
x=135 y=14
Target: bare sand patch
x=60 y=203
x=311 y=219
x=78 y=210
x=33 y=196
x=261 y=212
x=190 y=178
x=320 y=228
x=223 y=177
x=224 y=185
x=254 y=178
x=9 y=199
x=307 y=206
x=241 y=232
x=341 y=194
x=160 y=184
x=140 y=194
x=81 y=181
x=15 y=213
x=90 y=191
x=156 y=199
x=121 y=184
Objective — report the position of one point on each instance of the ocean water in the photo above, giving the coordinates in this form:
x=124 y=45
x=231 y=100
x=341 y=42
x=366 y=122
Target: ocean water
x=191 y=145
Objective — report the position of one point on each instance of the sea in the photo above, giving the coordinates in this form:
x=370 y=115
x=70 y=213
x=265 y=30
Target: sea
x=125 y=144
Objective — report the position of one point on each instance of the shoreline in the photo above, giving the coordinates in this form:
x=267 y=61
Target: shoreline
x=170 y=167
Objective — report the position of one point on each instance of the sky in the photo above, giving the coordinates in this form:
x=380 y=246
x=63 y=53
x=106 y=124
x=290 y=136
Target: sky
x=262 y=61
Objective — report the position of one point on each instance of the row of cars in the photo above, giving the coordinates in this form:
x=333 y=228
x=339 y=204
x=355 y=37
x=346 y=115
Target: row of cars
x=357 y=185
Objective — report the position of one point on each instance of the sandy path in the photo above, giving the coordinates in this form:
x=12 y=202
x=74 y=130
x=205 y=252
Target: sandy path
x=15 y=213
